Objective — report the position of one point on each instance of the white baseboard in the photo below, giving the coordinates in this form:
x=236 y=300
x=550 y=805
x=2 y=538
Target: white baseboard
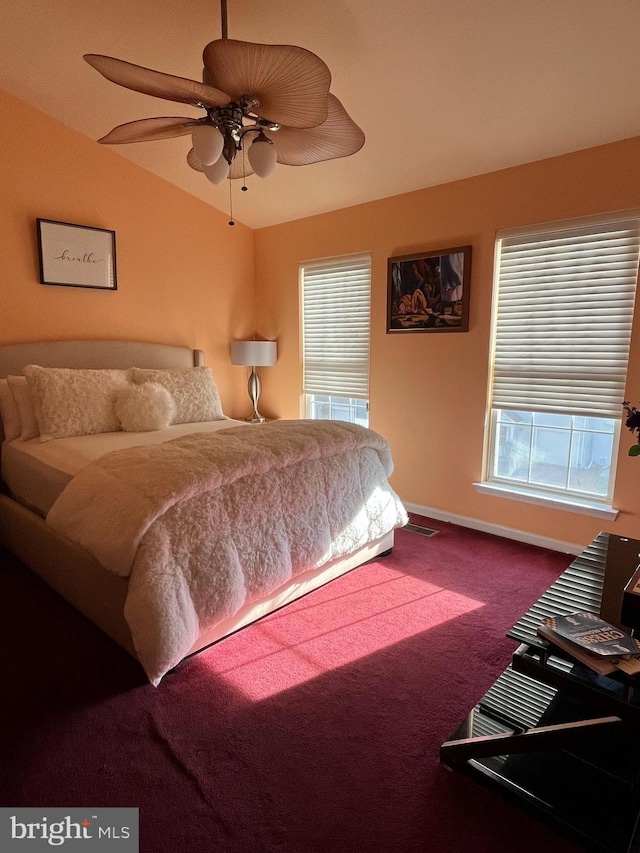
x=496 y=529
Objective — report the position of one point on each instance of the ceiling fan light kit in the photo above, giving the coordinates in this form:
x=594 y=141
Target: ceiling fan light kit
x=262 y=156
x=208 y=143
x=217 y=172
x=271 y=102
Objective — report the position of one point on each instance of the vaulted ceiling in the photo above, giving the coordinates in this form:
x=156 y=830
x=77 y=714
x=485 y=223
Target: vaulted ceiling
x=443 y=89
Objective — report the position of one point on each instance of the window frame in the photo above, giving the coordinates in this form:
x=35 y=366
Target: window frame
x=551 y=492
x=357 y=380
x=349 y=403
x=492 y=483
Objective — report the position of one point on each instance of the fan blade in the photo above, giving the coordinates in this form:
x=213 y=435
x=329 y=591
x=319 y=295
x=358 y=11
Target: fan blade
x=156 y=83
x=149 y=129
x=338 y=136
x=290 y=83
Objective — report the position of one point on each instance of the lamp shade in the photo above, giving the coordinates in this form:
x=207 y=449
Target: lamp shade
x=254 y=353
x=207 y=143
x=262 y=156
x=218 y=171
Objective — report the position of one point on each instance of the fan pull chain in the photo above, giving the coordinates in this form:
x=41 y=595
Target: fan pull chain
x=244 y=172
x=244 y=188
x=231 y=222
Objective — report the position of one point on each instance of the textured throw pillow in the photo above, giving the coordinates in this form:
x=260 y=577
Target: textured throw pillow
x=26 y=409
x=9 y=411
x=74 y=402
x=193 y=389
x=142 y=408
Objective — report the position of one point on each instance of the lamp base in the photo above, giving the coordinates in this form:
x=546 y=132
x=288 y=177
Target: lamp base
x=254 y=394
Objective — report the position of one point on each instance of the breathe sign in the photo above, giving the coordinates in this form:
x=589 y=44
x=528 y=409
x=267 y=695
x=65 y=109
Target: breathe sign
x=34 y=829
x=76 y=255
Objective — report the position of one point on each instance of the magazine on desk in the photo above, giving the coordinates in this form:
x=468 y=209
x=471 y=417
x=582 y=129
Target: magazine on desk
x=597 y=644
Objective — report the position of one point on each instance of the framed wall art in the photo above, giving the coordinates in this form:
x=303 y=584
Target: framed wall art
x=76 y=255
x=429 y=292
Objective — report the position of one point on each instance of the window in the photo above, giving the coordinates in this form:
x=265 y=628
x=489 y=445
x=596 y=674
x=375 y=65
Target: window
x=563 y=309
x=348 y=409
x=336 y=298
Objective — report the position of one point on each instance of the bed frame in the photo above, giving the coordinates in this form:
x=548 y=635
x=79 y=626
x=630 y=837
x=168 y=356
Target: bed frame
x=71 y=570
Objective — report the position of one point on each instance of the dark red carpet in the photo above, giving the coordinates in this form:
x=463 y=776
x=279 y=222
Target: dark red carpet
x=315 y=731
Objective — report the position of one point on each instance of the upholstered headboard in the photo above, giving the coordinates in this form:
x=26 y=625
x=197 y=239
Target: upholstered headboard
x=95 y=355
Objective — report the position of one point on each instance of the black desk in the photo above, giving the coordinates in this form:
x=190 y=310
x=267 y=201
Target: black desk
x=569 y=739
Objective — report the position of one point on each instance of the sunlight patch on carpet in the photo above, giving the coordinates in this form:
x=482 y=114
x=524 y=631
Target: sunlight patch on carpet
x=341 y=623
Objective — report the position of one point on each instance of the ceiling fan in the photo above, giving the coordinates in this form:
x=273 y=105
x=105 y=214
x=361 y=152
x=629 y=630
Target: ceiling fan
x=269 y=102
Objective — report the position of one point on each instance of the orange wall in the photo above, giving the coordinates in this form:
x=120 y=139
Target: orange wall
x=428 y=391
x=184 y=276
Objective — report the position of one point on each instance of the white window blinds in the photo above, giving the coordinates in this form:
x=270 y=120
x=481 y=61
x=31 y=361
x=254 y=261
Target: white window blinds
x=336 y=298
x=563 y=318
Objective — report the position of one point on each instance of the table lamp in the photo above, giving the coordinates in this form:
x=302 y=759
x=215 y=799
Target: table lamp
x=254 y=354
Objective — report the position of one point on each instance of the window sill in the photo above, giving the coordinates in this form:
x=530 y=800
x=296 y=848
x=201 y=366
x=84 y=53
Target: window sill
x=569 y=504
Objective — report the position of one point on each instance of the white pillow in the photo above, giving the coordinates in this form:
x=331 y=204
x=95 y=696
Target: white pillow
x=193 y=389
x=26 y=409
x=74 y=402
x=142 y=408
x=9 y=411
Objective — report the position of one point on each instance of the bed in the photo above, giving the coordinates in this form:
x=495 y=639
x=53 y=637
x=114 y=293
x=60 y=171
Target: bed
x=43 y=480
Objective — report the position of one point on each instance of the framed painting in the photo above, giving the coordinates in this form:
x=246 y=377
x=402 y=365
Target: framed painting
x=429 y=292
x=76 y=255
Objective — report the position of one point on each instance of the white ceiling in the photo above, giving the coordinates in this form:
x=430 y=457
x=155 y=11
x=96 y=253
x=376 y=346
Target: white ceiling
x=443 y=89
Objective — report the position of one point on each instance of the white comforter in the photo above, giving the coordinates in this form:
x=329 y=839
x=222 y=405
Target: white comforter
x=205 y=523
